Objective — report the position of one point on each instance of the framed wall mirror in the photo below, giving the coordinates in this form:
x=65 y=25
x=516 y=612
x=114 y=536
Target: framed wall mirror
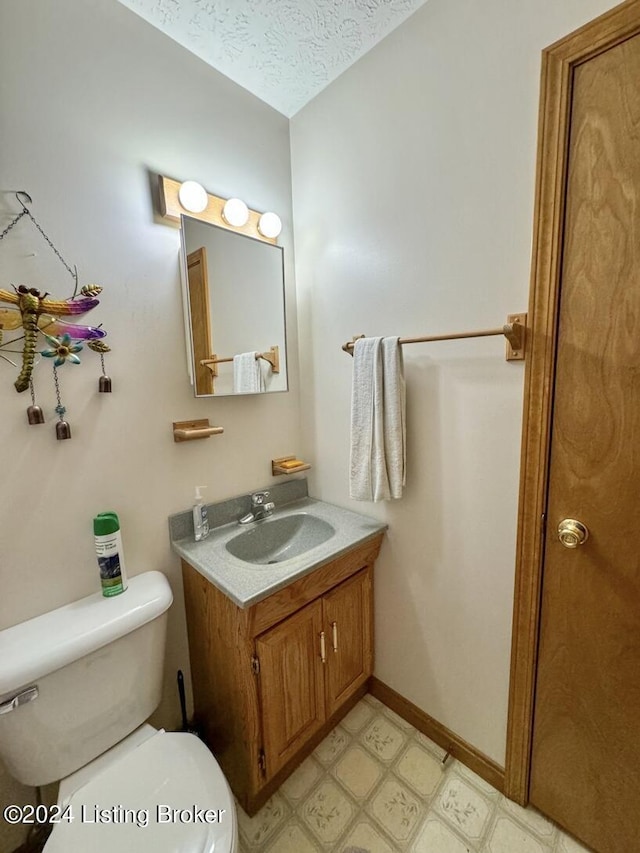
x=233 y=290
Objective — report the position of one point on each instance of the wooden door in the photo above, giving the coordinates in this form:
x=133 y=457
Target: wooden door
x=291 y=684
x=200 y=317
x=347 y=625
x=585 y=760
x=585 y=768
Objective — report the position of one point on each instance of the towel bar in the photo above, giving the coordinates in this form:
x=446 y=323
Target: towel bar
x=272 y=355
x=513 y=331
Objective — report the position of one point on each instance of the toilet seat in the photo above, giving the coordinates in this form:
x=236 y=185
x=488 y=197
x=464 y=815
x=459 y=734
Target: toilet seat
x=166 y=794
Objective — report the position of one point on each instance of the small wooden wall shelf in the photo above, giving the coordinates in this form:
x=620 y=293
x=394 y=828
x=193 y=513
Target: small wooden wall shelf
x=279 y=466
x=191 y=430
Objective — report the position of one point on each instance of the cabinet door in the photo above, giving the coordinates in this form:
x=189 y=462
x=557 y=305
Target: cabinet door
x=348 y=628
x=291 y=684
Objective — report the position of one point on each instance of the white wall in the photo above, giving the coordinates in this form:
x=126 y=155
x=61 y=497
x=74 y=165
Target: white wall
x=92 y=98
x=413 y=179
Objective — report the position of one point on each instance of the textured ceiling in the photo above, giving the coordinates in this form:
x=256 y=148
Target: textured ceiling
x=284 y=51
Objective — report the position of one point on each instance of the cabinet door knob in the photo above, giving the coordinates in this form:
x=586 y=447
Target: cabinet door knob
x=323 y=648
x=334 y=634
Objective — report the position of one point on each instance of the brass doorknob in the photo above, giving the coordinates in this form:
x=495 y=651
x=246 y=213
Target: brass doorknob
x=572 y=533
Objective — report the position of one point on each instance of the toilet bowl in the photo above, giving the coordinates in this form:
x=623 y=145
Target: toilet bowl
x=76 y=685
x=157 y=791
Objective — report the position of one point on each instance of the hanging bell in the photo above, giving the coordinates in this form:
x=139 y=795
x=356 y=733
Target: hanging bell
x=63 y=430
x=104 y=383
x=35 y=415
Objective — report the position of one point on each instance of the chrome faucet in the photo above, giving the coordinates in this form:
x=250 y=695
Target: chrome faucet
x=260 y=508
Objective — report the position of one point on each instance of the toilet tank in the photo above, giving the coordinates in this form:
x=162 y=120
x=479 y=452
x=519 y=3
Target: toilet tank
x=76 y=680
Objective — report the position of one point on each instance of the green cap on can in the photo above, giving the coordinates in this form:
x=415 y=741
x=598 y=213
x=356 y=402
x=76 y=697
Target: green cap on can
x=105 y=523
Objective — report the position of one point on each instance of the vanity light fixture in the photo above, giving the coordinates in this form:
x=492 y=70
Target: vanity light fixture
x=232 y=214
x=193 y=196
x=235 y=212
x=269 y=224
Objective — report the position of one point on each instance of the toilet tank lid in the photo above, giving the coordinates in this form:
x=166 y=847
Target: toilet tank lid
x=42 y=645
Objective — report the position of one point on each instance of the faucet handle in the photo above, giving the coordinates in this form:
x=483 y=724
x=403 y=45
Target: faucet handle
x=259 y=498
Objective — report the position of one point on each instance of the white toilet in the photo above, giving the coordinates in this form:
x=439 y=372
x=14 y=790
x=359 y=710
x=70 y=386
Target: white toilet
x=76 y=686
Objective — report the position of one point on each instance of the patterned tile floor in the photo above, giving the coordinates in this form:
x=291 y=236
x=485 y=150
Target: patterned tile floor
x=376 y=785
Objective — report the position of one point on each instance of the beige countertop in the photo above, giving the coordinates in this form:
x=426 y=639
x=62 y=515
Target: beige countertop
x=247 y=583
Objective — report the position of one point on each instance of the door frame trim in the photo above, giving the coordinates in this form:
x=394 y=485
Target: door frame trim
x=558 y=62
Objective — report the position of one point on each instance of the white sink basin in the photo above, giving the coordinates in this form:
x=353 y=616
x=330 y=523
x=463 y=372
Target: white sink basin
x=275 y=540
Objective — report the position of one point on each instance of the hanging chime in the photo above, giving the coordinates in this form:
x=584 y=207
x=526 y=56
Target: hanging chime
x=62 y=349
x=104 y=382
x=35 y=414
x=34 y=312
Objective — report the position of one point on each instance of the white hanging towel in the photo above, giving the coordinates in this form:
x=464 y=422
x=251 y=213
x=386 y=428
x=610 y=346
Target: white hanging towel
x=247 y=376
x=378 y=424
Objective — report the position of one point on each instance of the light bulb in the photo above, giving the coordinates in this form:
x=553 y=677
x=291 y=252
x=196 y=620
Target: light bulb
x=193 y=196
x=235 y=212
x=269 y=224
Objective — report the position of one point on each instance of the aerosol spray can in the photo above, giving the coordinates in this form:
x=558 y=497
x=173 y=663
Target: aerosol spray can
x=113 y=574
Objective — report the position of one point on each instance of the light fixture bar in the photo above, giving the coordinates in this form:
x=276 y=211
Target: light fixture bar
x=170 y=208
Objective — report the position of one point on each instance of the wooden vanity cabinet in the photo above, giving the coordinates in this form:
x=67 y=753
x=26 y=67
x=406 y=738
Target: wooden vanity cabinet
x=270 y=681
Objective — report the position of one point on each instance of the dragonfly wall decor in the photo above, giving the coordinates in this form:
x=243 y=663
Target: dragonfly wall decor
x=32 y=313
